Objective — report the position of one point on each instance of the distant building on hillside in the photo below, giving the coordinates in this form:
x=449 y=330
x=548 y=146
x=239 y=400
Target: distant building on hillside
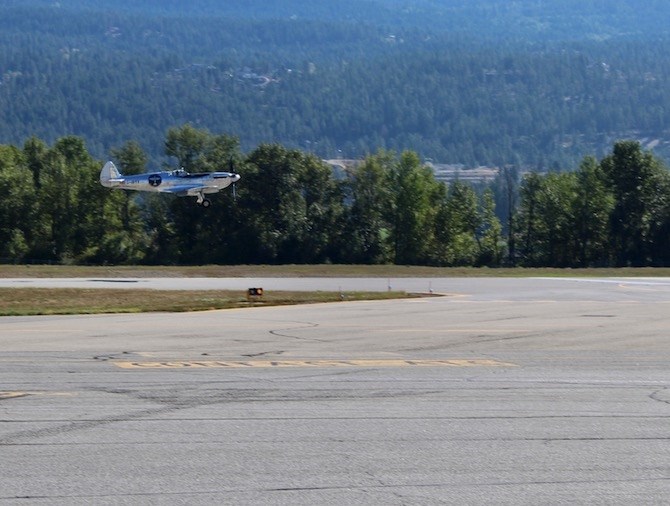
x=341 y=166
x=443 y=172
x=452 y=172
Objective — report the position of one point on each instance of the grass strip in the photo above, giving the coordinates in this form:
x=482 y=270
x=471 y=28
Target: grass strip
x=325 y=270
x=52 y=301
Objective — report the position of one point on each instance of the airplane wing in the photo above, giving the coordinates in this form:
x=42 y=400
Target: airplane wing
x=189 y=190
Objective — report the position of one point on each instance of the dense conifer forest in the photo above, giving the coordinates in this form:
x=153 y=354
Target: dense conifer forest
x=533 y=83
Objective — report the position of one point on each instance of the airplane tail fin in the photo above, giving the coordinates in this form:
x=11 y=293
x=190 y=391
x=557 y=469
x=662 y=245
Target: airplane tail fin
x=110 y=175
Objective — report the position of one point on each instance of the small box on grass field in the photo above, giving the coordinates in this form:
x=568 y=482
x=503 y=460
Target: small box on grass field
x=254 y=293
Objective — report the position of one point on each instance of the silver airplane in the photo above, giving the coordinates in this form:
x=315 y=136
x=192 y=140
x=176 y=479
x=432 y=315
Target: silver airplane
x=179 y=182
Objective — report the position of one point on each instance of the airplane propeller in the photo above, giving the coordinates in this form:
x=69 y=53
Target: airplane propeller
x=231 y=167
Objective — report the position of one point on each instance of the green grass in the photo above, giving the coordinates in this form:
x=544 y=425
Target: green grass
x=44 y=301
x=275 y=271
x=36 y=301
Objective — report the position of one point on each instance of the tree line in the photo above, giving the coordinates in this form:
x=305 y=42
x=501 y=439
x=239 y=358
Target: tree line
x=292 y=208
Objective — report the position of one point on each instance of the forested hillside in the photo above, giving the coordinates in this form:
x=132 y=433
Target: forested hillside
x=532 y=83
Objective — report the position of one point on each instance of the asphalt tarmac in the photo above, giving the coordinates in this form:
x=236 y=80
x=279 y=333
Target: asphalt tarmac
x=500 y=391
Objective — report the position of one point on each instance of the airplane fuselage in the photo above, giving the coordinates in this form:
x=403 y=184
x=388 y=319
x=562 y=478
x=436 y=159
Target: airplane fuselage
x=179 y=182
x=211 y=182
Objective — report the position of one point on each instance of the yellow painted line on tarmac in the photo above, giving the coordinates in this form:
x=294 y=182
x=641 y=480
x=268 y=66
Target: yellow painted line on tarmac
x=16 y=394
x=235 y=364
x=482 y=330
x=48 y=330
x=636 y=288
x=11 y=395
x=456 y=330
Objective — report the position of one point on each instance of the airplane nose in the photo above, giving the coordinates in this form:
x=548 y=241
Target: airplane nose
x=235 y=178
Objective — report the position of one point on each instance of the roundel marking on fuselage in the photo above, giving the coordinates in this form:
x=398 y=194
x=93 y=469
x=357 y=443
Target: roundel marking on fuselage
x=155 y=179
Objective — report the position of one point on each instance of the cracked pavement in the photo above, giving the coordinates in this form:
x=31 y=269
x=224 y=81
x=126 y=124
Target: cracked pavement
x=505 y=391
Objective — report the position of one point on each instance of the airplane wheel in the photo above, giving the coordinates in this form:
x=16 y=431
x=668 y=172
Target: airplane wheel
x=206 y=203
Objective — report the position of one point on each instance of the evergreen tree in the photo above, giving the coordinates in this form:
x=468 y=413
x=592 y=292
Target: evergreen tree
x=367 y=223
x=592 y=208
x=639 y=183
x=462 y=224
x=17 y=204
x=491 y=250
x=526 y=219
x=292 y=205
x=415 y=198
x=132 y=158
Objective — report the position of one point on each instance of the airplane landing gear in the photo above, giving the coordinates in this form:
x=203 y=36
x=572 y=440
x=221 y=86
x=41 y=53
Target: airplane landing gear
x=202 y=201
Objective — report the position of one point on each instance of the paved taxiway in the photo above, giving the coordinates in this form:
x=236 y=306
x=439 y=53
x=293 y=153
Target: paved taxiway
x=517 y=391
